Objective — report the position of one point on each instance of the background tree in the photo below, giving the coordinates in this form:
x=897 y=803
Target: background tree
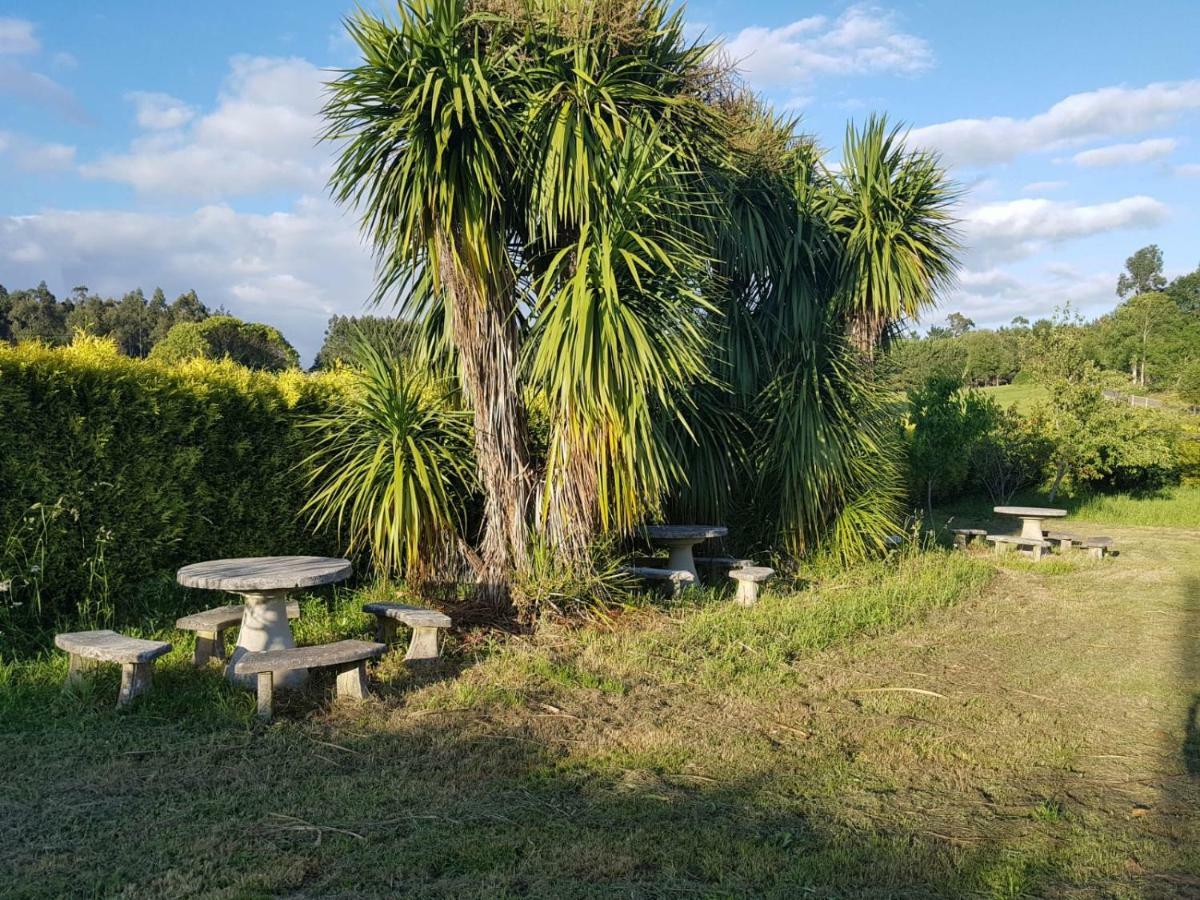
x=392 y=336
x=946 y=423
x=1185 y=291
x=1143 y=273
x=958 y=324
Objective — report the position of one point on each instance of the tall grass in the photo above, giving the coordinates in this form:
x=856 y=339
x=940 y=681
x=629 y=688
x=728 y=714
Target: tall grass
x=1177 y=507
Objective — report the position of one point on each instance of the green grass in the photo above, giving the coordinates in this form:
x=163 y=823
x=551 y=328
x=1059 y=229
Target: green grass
x=930 y=725
x=1023 y=396
x=1172 y=507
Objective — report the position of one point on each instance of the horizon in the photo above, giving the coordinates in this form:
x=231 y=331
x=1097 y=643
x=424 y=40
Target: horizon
x=138 y=169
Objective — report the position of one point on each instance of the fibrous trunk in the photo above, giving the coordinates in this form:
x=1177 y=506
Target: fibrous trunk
x=485 y=333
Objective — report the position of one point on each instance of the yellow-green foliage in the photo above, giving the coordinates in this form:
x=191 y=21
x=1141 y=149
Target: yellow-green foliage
x=116 y=471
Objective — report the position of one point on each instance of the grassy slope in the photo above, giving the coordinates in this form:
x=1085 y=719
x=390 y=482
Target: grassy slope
x=1023 y=396
x=924 y=730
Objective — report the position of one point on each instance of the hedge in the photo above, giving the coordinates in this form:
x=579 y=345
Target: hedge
x=116 y=471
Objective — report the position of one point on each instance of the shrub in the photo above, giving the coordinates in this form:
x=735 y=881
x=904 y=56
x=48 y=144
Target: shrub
x=116 y=471
x=250 y=344
x=1011 y=456
x=946 y=423
x=1189 y=382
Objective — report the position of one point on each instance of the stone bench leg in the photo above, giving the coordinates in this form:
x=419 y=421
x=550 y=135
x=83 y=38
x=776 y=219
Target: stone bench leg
x=1036 y=553
x=210 y=645
x=424 y=645
x=1096 y=552
x=1002 y=548
x=961 y=541
x=385 y=629
x=747 y=593
x=266 y=687
x=352 y=681
x=76 y=666
x=135 y=681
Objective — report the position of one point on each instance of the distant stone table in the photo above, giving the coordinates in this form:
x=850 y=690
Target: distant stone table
x=680 y=539
x=1031 y=518
x=263 y=583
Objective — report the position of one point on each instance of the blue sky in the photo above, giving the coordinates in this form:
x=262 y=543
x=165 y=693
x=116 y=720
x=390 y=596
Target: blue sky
x=160 y=144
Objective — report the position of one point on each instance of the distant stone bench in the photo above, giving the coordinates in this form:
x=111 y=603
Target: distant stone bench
x=965 y=536
x=712 y=563
x=134 y=655
x=1098 y=547
x=425 y=624
x=1064 y=540
x=674 y=580
x=1006 y=542
x=748 y=579
x=348 y=657
x=210 y=627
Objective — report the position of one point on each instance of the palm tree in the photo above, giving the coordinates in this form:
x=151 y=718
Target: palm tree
x=426 y=127
x=893 y=218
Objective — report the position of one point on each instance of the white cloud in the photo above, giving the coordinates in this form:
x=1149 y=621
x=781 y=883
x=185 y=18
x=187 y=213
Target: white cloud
x=260 y=137
x=290 y=269
x=1107 y=112
x=862 y=40
x=1017 y=228
x=991 y=298
x=1125 y=154
x=34 y=156
x=1188 y=169
x=1041 y=187
x=16 y=36
x=157 y=111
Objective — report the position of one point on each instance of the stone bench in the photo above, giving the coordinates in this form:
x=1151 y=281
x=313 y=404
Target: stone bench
x=748 y=579
x=1098 y=547
x=1064 y=540
x=712 y=563
x=425 y=624
x=210 y=627
x=348 y=657
x=134 y=655
x=1006 y=542
x=965 y=536
x=675 y=580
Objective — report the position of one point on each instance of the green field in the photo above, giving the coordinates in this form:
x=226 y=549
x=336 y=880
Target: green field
x=933 y=725
x=1022 y=396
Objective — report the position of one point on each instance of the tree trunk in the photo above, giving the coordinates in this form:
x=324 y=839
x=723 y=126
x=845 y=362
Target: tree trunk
x=1060 y=473
x=929 y=501
x=864 y=331
x=484 y=329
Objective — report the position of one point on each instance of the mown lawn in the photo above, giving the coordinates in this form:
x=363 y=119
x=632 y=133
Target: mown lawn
x=1023 y=396
x=931 y=726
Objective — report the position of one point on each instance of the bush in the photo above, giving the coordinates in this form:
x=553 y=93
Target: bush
x=946 y=424
x=1189 y=382
x=117 y=471
x=249 y=344
x=1011 y=456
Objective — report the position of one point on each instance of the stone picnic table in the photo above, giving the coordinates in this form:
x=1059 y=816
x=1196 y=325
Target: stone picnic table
x=1031 y=518
x=263 y=583
x=680 y=539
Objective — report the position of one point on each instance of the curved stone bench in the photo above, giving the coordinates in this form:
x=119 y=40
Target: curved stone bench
x=425 y=625
x=675 y=580
x=1006 y=542
x=965 y=536
x=210 y=627
x=135 y=656
x=1098 y=547
x=349 y=657
x=748 y=580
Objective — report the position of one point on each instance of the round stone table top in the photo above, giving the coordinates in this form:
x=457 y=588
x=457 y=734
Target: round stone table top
x=1030 y=512
x=684 y=532
x=264 y=573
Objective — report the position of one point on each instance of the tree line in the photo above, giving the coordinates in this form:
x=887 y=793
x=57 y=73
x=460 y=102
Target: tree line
x=1152 y=336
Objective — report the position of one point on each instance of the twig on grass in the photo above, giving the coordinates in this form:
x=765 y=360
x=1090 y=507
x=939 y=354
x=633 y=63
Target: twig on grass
x=298 y=824
x=900 y=690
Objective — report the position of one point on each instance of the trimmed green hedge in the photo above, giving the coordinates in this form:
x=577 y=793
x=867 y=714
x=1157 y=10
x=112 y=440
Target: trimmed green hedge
x=114 y=472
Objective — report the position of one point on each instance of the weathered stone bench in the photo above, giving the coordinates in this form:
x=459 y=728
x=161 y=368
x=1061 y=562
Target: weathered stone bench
x=674 y=580
x=349 y=657
x=210 y=627
x=748 y=579
x=1098 y=547
x=1006 y=542
x=425 y=624
x=1065 y=541
x=134 y=655
x=965 y=536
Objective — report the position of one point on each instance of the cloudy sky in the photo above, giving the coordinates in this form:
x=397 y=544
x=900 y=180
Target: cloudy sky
x=173 y=145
